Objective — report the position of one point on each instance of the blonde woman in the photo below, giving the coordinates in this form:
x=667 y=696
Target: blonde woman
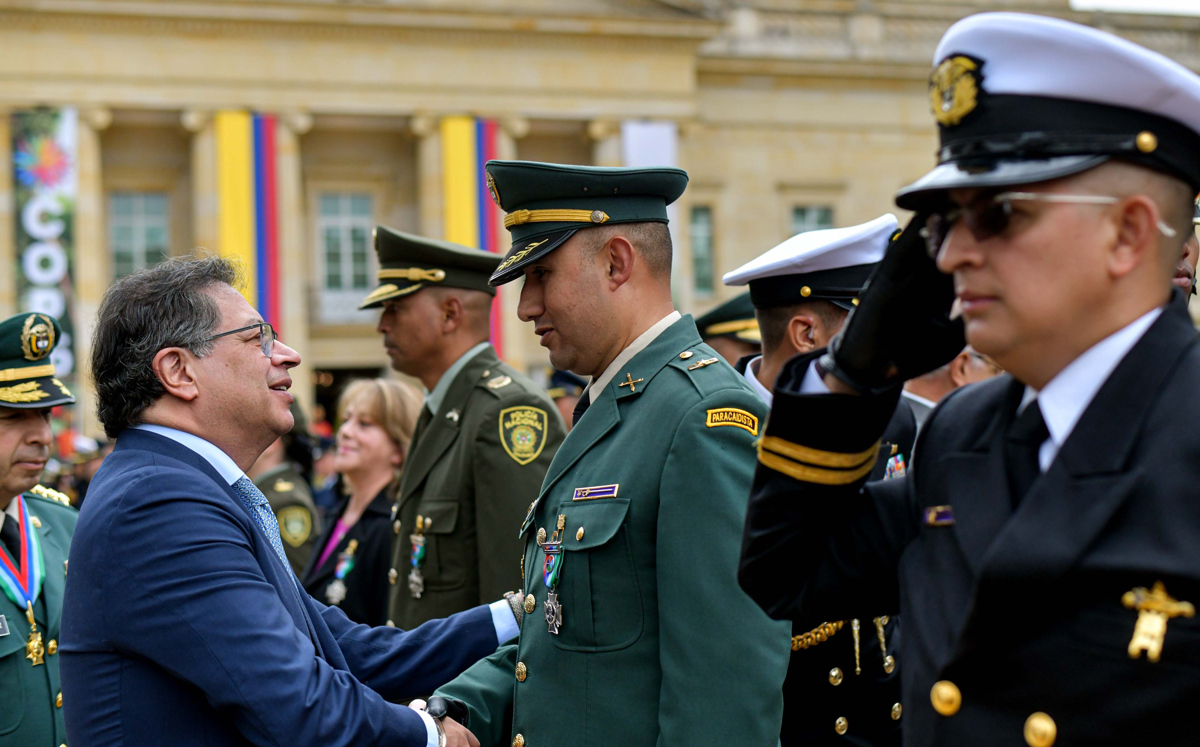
x=349 y=568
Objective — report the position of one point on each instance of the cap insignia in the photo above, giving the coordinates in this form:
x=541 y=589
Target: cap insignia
x=30 y=391
x=37 y=337
x=520 y=255
x=954 y=89
x=491 y=188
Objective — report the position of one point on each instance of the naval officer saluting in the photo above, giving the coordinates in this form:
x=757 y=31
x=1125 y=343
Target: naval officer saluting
x=1044 y=548
x=635 y=632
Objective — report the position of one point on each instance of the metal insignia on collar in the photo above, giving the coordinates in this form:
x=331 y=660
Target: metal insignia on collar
x=452 y=416
x=497 y=383
x=954 y=89
x=703 y=363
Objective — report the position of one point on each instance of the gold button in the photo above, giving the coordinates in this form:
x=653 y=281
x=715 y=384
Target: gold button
x=897 y=710
x=806 y=291
x=530 y=604
x=1146 y=141
x=522 y=671
x=393 y=574
x=52 y=647
x=391 y=624
x=396 y=527
x=518 y=741
x=579 y=534
x=841 y=725
x=946 y=697
x=685 y=355
x=1040 y=730
x=58 y=701
x=889 y=664
x=541 y=535
x=835 y=676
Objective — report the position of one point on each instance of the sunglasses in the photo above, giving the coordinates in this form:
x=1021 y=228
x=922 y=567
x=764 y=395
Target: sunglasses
x=266 y=336
x=990 y=216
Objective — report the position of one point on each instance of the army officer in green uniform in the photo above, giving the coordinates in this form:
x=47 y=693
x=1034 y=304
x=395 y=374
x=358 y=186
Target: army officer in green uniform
x=35 y=536
x=634 y=629
x=484 y=439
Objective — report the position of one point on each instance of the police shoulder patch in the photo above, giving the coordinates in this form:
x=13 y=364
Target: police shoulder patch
x=734 y=417
x=295 y=524
x=523 y=432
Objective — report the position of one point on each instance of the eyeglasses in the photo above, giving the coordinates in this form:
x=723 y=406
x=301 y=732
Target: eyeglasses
x=266 y=336
x=990 y=216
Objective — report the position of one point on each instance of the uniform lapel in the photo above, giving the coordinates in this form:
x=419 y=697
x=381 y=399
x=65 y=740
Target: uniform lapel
x=442 y=431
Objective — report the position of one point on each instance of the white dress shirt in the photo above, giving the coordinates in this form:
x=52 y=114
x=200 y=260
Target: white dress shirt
x=641 y=343
x=503 y=619
x=751 y=375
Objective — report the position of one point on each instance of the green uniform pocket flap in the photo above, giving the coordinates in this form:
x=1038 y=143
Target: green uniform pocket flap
x=440 y=517
x=592 y=524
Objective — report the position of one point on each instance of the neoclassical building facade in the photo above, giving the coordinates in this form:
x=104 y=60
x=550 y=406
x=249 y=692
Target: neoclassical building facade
x=788 y=115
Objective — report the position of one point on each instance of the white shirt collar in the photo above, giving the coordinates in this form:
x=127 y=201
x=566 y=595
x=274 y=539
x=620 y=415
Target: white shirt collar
x=751 y=375
x=433 y=400
x=1065 y=397
x=641 y=343
x=12 y=510
x=221 y=462
x=918 y=399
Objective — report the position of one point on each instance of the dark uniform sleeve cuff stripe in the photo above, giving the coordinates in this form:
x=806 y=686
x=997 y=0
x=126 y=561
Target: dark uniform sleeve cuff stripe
x=805 y=473
x=818 y=457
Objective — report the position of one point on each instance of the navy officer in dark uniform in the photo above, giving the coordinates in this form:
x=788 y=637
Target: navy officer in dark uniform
x=1044 y=547
x=842 y=684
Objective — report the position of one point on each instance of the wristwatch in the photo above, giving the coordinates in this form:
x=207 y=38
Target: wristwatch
x=441 y=732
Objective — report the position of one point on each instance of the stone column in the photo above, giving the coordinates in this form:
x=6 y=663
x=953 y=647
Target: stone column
x=518 y=337
x=606 y=137
x=8 y=228
x=429 y=174
x=294 y=255
x=204 y=178
x=93 y=270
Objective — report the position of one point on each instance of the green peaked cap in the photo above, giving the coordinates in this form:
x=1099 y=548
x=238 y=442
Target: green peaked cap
x=27 y=378
x=734 y=318
x=408 y=263
x=546 y=203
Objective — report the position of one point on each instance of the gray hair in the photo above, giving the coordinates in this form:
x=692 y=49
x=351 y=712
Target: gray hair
x=164 y=306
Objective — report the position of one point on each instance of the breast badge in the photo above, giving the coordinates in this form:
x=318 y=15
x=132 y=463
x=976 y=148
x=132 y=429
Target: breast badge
x=954 y=89
x=295 y=525
x=523 y=432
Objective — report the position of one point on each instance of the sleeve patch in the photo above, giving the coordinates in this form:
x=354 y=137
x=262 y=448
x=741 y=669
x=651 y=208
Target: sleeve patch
x=523 y=432
x=295 y=525
x=734 y=417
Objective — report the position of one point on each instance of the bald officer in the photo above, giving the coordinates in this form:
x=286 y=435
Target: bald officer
x=35 y=536
x=1044 y=547
x=635 y=631
x=484 y=439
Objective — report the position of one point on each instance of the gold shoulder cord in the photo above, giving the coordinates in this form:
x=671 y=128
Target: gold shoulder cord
x=819 y=634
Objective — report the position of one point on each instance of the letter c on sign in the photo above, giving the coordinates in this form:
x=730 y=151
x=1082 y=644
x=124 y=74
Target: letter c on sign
x=35 y=217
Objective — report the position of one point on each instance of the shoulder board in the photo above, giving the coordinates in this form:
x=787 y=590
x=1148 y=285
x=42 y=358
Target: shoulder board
x=283 y=486
x=51 y=495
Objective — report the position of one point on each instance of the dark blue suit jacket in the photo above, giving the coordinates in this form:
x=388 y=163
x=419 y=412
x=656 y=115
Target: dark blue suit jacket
x=181 y=625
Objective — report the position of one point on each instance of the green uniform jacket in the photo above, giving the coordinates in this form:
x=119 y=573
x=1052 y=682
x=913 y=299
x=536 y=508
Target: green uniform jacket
x=473 y=469
x=658 y=643
x=31 y=697
x=292 y=502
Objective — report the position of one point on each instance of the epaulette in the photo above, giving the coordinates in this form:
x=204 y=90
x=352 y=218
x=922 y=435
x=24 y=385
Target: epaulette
x=495 y=382
x=50 y=495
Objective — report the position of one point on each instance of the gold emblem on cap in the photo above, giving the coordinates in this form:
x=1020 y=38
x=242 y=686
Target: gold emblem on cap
x=954 y=89
x=37 y=337
x=1146 y=141
x=806 y=291
x=491 y=188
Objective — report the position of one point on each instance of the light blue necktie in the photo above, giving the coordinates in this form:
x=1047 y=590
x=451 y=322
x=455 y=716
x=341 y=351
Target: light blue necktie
x=260 y=509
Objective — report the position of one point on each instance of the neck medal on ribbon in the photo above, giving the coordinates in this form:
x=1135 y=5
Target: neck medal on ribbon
x=416 y=580
x=336 y=591
x=22 y=578
x=552 y=574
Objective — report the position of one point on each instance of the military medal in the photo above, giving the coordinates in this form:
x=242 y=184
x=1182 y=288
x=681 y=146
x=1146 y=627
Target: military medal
x=336 y=591
x=416 y=580
x=22 y=577
x=552 y=574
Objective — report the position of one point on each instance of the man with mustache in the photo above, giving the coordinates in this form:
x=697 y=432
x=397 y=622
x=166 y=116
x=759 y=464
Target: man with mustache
x=35 y=536
x=1044 y=548
x=182 y=615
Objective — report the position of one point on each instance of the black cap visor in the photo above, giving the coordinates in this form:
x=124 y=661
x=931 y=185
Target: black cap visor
x=526 y=252
x=32 y=394
x=929 y=192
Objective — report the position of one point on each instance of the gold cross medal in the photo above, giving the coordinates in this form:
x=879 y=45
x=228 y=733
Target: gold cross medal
x=552 y=574
x=1154 y=608
x=34 y=650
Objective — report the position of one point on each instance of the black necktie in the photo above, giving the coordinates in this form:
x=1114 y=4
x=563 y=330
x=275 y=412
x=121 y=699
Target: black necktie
x=11 y=537
x=581 y=406
x=1021 y=446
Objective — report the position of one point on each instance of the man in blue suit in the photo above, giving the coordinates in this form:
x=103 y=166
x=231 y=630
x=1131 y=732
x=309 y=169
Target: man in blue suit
x=182 y=620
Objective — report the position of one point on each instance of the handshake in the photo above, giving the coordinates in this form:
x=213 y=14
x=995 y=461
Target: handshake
x=451 y=717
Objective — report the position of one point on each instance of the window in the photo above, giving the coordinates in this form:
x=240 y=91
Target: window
x=139 y=227
x=702 y=249
x=811 y=218
x=344 y=224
